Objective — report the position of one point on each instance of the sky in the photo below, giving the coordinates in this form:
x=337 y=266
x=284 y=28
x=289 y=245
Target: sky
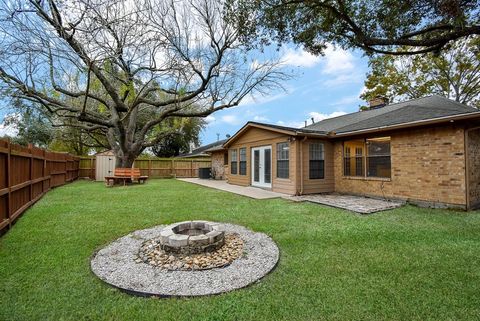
x=323 y=87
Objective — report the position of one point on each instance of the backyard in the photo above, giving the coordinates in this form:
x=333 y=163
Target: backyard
x=406 y=264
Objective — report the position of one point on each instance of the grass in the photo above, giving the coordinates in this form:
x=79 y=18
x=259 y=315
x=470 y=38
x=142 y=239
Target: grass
x=405 y=264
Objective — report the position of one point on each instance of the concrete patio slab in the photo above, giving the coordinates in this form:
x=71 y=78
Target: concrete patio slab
x=248 y=191
x=358 y=204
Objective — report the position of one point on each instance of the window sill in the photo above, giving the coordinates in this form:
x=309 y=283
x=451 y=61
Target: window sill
x=362 y=178
x=283 y=179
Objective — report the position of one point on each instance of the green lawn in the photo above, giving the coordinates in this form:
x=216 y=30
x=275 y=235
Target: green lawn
x=405 y=264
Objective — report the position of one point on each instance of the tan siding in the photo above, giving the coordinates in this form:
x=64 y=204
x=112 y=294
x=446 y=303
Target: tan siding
x=428 y=164
x=256 y=137
x=311 y=186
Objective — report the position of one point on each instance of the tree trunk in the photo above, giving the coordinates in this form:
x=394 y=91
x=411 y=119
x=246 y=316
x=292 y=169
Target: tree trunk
x=125 y=160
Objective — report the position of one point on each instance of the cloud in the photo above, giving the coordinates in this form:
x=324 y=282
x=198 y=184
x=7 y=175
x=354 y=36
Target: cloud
x=346 y=101
x=251 y=100
x=320 y=116
x=294 y=124
x=341 y=67
x=230 y=119
x=299 y=58
x=337 y=61
x=210 y=119
x=260 y=118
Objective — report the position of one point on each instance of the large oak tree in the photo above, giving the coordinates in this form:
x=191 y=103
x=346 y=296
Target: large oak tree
x=376 y=26
x=454 y=74
x=122 y=67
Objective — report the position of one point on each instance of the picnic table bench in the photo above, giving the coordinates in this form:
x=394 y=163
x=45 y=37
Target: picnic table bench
x=127 y=175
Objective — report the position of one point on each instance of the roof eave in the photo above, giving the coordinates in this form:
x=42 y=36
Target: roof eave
x=416 y=123
x=257 y=125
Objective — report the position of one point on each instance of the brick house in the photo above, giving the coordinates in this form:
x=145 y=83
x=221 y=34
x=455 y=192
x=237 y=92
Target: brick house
x=426 y=151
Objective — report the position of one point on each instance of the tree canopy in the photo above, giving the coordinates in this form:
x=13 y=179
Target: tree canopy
x=179 y=141
x=376 y=26
x=121 y=68
x=32 y=128
x=454 y=74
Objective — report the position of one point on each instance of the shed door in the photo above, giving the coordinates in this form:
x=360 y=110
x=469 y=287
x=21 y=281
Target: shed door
x=105 y=166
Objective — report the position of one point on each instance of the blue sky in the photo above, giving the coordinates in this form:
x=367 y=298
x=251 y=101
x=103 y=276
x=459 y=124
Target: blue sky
x=323 y=87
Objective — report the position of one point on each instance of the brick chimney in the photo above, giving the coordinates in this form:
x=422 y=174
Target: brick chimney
x=377 y=102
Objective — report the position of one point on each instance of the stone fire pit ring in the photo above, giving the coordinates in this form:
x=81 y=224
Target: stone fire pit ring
x=115 y=264
x=191 y=237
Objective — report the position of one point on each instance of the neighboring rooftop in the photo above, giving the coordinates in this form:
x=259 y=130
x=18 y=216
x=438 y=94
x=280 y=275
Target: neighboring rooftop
x=202 y=150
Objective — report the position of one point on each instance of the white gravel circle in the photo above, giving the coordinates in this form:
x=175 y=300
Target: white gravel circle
x=115 y=264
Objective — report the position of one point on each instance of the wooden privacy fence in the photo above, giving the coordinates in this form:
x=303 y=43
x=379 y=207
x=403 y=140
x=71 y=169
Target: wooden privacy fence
x=26 y=174
x=154 y=167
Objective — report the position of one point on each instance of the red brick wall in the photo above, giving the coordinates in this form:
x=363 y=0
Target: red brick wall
x=428 y=165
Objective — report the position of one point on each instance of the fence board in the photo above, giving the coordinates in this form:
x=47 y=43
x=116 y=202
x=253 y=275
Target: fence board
x=153 y=167
x=26 y=174
x=170 y=167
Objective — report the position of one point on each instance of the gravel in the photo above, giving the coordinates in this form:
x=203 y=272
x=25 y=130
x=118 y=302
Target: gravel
x=115 y=264
x=151 y=252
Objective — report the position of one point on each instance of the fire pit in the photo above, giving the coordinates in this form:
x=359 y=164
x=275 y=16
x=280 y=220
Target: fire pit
x=192 y=237
x=137 y=264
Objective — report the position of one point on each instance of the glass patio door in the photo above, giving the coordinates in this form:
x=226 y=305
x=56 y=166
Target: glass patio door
x=262 y=166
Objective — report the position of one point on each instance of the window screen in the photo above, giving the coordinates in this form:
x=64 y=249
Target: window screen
x=353 y=164
x=316 y=161
x=283 y=160
x=378 y=157
x=243 y=161
x=233 y=162
x=359 y=161
x=371 y=159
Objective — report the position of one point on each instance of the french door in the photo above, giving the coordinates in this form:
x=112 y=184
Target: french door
x=262 y=166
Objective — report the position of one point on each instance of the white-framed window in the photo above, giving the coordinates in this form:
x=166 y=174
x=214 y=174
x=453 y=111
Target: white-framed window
x=283 y=162
x=233 y=162
x=316 y=161
x=243 y=161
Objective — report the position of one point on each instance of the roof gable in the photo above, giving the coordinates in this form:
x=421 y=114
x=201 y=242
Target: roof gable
x=273 y=128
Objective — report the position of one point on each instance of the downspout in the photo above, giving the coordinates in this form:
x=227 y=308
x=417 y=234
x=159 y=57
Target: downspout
x=301 y=164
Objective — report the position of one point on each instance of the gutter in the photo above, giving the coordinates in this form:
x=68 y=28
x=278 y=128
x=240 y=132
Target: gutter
x=306 y=134
x=409 y=124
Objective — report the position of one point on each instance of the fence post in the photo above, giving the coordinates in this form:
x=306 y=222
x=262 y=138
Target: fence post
x=173 y=171
x=44 y=171
x=65 y=166
x=191 y=168
x=30 y=149
x=9 y=182
x=149 y=168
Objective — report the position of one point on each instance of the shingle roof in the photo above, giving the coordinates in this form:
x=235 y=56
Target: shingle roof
x=294 y=129
x=200 y=151
x=215 y=148
x=399 y=113
x=430 y=108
